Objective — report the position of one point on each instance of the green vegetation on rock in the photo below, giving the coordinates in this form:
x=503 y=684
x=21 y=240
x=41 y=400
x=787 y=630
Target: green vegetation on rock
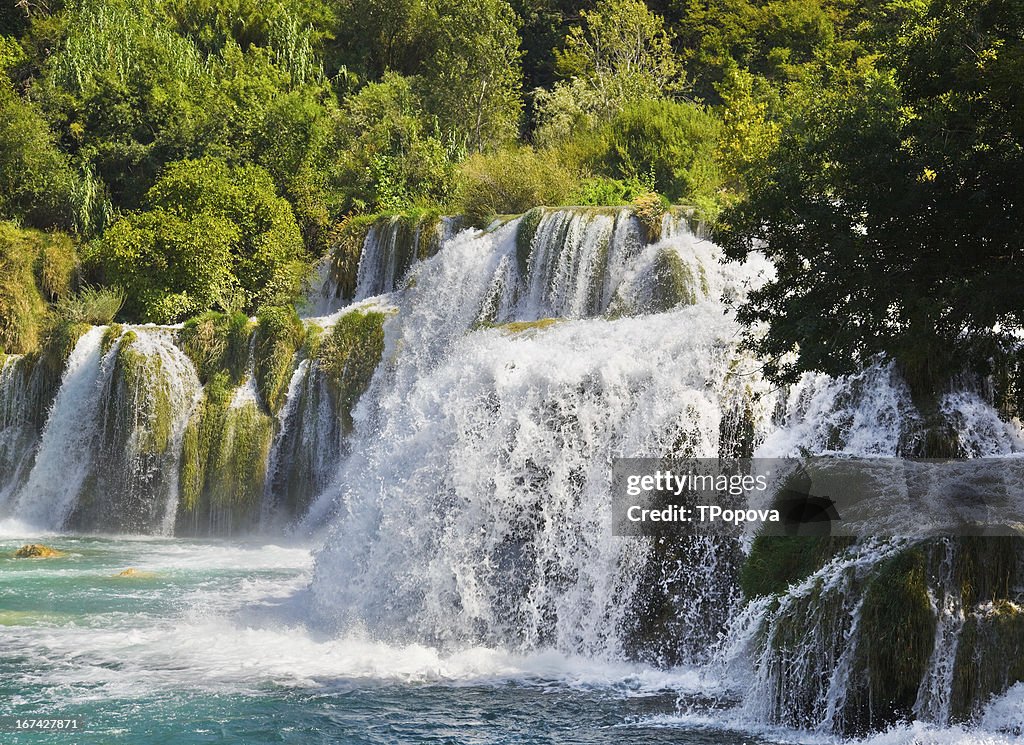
x=348 y=353
x=217 y=343
x=279 y=336
x=223 y=464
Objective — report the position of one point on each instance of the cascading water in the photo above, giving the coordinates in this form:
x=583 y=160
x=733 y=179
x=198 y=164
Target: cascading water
x=475 y=505
x=461 y=461
x=109 y=452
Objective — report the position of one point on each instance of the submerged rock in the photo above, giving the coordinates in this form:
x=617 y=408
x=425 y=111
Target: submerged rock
x=133 y=573
x=37 y=551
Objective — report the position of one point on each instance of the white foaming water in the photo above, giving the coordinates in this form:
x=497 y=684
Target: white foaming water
x=19 y=434
x=179 y=385
x=469 y=535
x=113 y=435
x=475 y=505
x=63 y=458
x=866 y=414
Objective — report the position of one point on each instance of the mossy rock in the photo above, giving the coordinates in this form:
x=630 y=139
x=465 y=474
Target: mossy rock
x=223 y=467
x=217 y=343
x=348 y=353
x=521 y=327
x=142 y=393
x=279 y=336
x=990 y=657
x=897 y=636
x=649 y=209
x=37 y=551
x=110 y=337
x=675 y=282
x=132 y=573
x=775 y=563
x=347 y=242
x=525 y=232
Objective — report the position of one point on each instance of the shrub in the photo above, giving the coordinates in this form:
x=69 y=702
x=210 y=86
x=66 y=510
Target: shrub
x=512 y=181
x=212 y=236
x=37 y=184
x=670 y=143
x=96 y=306
x=34 y=267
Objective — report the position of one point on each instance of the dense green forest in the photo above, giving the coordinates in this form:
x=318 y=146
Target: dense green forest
x=163 y=158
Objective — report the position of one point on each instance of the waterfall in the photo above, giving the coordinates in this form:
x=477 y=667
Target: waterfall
x=474 y=506
x=445 y=419
x=63 y=460
x=19 y=425
x=109 y=450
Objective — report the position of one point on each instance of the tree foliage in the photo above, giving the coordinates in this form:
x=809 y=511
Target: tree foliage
x=891 y=206
x=211 y=236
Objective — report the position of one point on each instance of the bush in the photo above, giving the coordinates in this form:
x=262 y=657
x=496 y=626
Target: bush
x=390 y=158
x=671 y=144
x=37 y=185
x=512 y=181
x=96 y=306
x=34 y=267
x=212 y=236
x=604 y=191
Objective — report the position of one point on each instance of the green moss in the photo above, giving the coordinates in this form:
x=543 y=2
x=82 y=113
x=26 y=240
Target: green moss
x=223 y=464
x=519 y=327
x=990 y=657
x=674 y=282
x=988 y=568
x=348 y=354
x=897 y=635
x=347 y=248
x=525 y=233
x=144 y=397
x=429 y=234
x=110 y=337
x=279 y=335
x=777 y=562
x=314 y=336
x=217 y=343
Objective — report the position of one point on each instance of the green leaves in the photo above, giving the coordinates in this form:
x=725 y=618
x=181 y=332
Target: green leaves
x=891 y=207
x=211 y=233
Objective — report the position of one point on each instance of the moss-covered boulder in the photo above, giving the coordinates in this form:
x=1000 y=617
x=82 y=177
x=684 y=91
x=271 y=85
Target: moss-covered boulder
x=223 y=462
x=37 y=551
x=675 y=282
x=348 y=354
x=399 y=240
x=279 y=336
x=217 y=343
x=872 y=626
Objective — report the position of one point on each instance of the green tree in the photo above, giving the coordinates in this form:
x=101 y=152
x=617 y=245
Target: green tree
x=211 y=236
x=37 y=183
x=389 y=158
x=472 y=79
x=892 y=207
x=622 y=51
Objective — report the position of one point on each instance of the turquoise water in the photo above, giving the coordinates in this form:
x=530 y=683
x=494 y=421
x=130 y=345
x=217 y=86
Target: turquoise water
x=205 y=643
